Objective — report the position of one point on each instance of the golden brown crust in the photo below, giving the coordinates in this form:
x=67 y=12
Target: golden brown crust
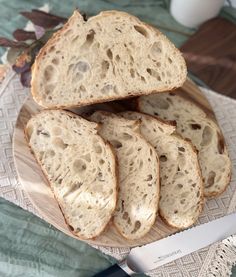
x=49 y=183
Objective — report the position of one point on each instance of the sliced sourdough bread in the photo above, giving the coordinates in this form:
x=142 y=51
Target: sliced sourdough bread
x=79 y=166
x=138 y=175
x=111 y=56
x=181 y=194
x=194 y=124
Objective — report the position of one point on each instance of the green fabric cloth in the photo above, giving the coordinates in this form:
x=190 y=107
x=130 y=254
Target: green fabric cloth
x=29 y=246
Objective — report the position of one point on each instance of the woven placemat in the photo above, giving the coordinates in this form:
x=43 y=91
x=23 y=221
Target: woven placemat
x=216 y=260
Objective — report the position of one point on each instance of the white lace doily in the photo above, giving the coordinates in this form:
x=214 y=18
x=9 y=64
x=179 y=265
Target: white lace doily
x=216 y=260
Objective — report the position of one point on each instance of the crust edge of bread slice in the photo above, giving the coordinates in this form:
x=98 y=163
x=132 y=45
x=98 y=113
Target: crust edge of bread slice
x=104 y=229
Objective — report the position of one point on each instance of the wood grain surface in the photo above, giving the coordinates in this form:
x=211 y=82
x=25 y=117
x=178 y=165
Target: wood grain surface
x=211 y=55
x=39 y=192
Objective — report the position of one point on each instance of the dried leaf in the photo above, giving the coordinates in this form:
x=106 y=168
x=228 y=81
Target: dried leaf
x=5 y=42
x=43 y=19
x=12 y=54
x=25 y=78
x=39 y=31
x=23 y=63
x=22 y=35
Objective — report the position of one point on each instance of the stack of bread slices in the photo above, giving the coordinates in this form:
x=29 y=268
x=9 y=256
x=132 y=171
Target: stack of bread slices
x=126 y=168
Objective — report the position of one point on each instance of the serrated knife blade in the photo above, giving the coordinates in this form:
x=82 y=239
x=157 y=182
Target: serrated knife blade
x=144 y=258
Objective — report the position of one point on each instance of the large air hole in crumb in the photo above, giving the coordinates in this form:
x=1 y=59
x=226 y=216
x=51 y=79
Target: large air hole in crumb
x=220 y=145
x=195 y=126
x=162 y=104
x=149 y=177
x=206 y=136
x=141 y=30
x=116 y=144
x=49 y=88
x=48 y=72
x=98 y=149
x=163 y=158
x=132 y=73
x=137 y=226
x=104 y=68
x=109 y=54
x=82 y=88
x=144 y=197
x=126 y=136
x=107 y=88
x=211 y=179
x=78 y=77
x=182 y=201
x=59 y=143
x=86 y=157
x=82 y=66
x=180 y=186
x=89 y=40
x=43 y=133
x=117 y=58
x=143 y=79
x=156 y=49
x=50 y=153
x=55 y=61
x=51 y=49
x=79 y=166
x=125 y=216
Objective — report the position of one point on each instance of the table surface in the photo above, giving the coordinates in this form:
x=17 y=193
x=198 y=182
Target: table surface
x=35 y=240
x=211 y=55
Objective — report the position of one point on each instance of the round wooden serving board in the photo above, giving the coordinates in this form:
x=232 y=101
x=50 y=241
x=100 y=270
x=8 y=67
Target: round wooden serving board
x=40 y=194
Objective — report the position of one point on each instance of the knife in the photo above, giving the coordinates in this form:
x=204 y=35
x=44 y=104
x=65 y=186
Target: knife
x=144 y=258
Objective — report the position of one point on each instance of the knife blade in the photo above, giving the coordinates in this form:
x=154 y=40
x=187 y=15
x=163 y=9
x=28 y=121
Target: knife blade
x=144 y=258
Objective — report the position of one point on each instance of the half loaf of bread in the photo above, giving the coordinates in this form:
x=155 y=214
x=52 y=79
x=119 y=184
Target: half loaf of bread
x=138 y=175
x=79 y=166
x=181 y=194
x=111 y=56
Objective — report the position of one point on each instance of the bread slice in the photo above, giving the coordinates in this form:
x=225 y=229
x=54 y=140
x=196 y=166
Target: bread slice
x=194 y=124
x=111 y=56
x=138 y=175
x=181 y=194
x=79 y=166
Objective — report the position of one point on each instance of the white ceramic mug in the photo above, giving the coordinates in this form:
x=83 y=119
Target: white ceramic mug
x=192 y=13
